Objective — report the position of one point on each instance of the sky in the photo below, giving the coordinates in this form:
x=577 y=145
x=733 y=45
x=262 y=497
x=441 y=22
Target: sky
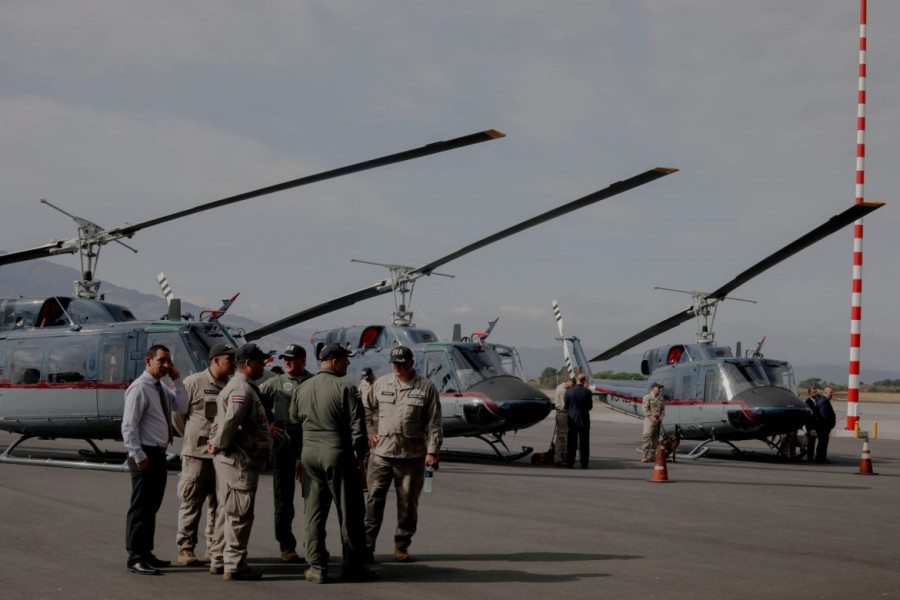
x=125 y=111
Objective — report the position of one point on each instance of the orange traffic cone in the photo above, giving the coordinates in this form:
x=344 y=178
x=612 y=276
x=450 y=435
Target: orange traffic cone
x=865 y=464
x=660 y=473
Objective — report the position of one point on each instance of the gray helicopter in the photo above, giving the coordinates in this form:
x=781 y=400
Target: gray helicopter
x=482 y=395
x=713 y=394
x=66 y=361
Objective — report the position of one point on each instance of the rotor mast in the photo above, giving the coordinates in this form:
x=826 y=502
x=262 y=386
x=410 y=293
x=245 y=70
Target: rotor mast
x=704 y=308
x=403 y=281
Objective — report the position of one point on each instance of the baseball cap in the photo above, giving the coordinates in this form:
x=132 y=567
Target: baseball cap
x=250 y=352
x=401 y=355
x=657 y=384
x=332 y=351
x=293 y=351
x=220 y=349
x=367 y=371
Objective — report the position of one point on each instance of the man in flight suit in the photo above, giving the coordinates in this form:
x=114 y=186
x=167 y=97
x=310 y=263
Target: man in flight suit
x=240 y=443
x=276 y=394
x=409 y=436
x=333 y=458
x=197 y=481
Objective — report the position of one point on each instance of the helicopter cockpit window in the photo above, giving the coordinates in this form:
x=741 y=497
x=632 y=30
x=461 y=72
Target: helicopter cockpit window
x=422 y=336
x=737 y=377
x=67 y=364
x=439 y=370
x=780 y=374
x=25 y=366
x=474 y=365
x=182 y=355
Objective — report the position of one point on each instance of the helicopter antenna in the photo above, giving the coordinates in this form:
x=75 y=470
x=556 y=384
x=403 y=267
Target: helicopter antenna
x=704 y=308
x=88 y=246
x=403 y=280
x=72 y=324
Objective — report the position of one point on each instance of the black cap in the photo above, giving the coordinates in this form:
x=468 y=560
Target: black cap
x=401 y=355
x=220 y=349
x=250 y=352
x=293 y=351
x=332 y=351
x=657 y=384
x=367 y=371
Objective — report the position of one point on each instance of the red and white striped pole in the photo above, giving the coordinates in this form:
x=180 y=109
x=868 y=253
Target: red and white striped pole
x=856 y=296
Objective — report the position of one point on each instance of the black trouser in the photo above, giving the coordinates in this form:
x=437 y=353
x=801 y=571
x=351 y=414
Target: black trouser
x=147 y=490
x=811 y=437
x=822 y=449
x=578 y=437
x=283 y=491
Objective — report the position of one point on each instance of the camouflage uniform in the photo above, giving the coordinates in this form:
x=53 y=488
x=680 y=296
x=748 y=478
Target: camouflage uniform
x=241 y=433
x=276 y=394
x=562 y=424
x=653 y=407
x=408 y=420
x=197 y=481
x=334 y=441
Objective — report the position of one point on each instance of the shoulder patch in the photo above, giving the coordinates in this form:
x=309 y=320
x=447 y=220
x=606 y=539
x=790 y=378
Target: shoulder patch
x=238 y=399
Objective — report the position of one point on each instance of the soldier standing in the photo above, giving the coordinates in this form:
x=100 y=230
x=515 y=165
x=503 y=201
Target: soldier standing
x=562 y=423
x=197 y=481
x=240 y=443
x=276 y=394
x=409 y=436
x=654 y=408
x=333 y=458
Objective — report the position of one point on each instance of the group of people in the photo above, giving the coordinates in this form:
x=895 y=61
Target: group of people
x=345 y=445
x=573 y=422
x=821 y=421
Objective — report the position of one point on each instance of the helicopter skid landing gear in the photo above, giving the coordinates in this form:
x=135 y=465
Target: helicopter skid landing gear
x=7 y=457
x=492 y=440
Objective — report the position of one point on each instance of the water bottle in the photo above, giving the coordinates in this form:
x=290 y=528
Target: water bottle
x=429 y=478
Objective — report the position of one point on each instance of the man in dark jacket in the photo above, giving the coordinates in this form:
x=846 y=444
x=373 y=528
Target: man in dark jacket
x=578 y=403
x=825 y=420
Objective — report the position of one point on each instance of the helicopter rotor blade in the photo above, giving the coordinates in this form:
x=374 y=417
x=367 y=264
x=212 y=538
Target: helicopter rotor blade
x=613 y=190
x=855 y=212
x=319 y=310
x=384 y=287
x=114 y=234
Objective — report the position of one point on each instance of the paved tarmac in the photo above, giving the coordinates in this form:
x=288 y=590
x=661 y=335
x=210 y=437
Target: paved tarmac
x=721 y=528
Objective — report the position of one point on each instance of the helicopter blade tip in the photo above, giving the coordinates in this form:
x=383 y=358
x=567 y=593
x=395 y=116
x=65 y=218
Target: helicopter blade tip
x=495 y=134
x=666 y=170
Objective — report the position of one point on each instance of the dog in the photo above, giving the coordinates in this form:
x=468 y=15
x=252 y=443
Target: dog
x=544 y=458
x=671 y=441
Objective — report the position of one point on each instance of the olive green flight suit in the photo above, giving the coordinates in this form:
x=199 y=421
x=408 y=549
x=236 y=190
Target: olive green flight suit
x=241 y=433
x=276 y=394
x=334 y=441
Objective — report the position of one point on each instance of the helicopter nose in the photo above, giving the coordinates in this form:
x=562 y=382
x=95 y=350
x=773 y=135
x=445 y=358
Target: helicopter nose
x=518 y=404
x=769 y=410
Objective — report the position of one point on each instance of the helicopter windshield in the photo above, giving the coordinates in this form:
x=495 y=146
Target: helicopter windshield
x=739 y=377
x=780 y=374
x=476 y=364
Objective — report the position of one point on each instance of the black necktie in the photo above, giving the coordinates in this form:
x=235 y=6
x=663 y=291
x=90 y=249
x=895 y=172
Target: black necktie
x=165 y=407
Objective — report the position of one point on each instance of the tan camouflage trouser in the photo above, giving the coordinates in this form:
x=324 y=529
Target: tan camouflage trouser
x=196 y=484
x=562 y=429
x=408 y=476
x=651 y=439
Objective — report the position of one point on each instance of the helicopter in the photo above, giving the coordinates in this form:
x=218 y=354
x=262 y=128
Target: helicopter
x=713 y=394
x=483 y=394
x=66 y=361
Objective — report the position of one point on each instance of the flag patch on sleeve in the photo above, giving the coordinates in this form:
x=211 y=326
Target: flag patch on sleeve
x=238 y=399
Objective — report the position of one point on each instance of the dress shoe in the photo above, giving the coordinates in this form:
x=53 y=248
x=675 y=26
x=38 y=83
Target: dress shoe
x=315 y=576
x=157 y=563
x=216 y=570
x=401 y=555
x=142 y=568
x=247 y=574
x=358 y=575
x=290 y=556
x=187 y=557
